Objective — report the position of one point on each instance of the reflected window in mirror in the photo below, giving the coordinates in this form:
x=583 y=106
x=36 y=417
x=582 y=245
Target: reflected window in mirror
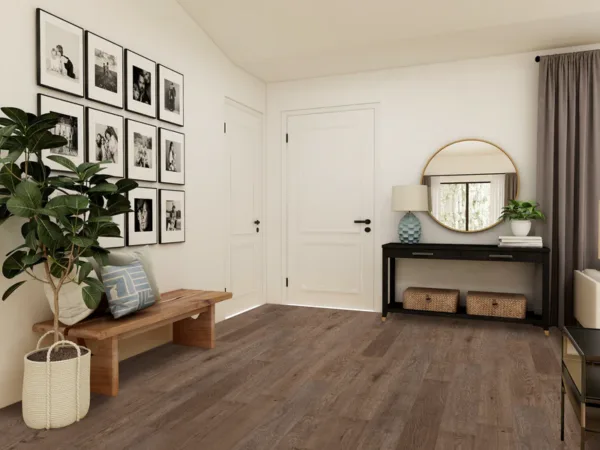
x=469 y=183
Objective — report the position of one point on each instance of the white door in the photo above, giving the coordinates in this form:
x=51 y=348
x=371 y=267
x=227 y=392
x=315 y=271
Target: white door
x=330 y=163
x=244 y=267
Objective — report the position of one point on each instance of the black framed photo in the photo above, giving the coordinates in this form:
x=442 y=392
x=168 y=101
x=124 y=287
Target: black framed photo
x=140 y=81
x=170 y=96
x=106 y=141
x=116 y=242
x=172 y=156
x=141 y=151
x=59 y=54
x=70 y=126
x=142 y=227
x=172 y=216
x=105 y=69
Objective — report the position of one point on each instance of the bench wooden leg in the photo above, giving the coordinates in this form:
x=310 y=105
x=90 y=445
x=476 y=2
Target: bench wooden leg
x=105 y=367
x=198 y=332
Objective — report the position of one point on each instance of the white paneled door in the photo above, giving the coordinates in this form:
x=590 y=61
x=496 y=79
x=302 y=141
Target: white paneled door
x=244 y=271
x=330 y=165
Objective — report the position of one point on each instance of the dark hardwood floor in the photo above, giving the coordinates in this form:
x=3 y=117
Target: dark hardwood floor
x=303 y=378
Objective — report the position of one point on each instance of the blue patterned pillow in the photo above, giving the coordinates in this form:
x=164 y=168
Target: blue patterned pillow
x=127 y=289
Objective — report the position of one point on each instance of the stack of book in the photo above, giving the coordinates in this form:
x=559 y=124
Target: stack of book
x=521 y=241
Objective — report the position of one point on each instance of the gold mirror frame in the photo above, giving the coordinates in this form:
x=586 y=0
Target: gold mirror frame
x=458 y=142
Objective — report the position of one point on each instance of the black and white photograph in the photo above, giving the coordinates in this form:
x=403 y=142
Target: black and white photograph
x=70 y=126
x=143 y=220
x=116 y=242
x=105 y=141
x=141 y=151
x=172 y=157
x=170 y=96
x=59 y=54
x=172 y=216
x=104 y=62
x=141 y=84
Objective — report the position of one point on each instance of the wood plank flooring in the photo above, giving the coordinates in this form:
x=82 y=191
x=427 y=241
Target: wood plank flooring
x=303 y=378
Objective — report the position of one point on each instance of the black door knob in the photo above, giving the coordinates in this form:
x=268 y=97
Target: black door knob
x=257 y=222
x=367 y=230
x=366 y=222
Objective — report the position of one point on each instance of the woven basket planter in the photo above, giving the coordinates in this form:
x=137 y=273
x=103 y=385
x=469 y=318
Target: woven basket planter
x=56 y=394
x=429 y=299
x=494 y=304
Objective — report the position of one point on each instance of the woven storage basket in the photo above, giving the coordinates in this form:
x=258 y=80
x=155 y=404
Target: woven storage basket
x=496 y=304
x=429 y=299
x=56 y=394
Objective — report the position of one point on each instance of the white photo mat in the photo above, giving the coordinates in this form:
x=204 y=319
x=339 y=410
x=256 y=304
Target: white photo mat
x=171 y=92
x=142 y=223
x=172 y=157
x=106 y=136
x=60 y=53
x=172 y=216
x=105 y=69
x=144 y=101
x=142 y=151
x=71 y=127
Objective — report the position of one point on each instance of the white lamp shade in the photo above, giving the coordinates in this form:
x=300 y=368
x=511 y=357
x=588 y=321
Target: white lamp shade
x=412 y=197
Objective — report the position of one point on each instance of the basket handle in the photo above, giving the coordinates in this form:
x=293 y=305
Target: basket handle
x=494 y=302
x=68 y=343
x=428 y=297
x=37 y=347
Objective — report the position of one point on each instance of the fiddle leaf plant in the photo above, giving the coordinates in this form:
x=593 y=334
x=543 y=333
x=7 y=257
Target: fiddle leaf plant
x=519 y=210
x=64 y=216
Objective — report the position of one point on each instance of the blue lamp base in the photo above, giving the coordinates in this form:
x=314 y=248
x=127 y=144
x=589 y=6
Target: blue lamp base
x=409 y=229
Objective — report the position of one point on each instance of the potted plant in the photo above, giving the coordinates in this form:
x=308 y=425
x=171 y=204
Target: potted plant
x=63 y=218
x=520 y=215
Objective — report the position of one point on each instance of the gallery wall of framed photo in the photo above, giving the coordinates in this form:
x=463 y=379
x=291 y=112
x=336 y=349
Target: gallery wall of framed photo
x=132 y=103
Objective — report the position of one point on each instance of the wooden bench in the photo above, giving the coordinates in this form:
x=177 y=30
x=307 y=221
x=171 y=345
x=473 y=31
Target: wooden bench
x=175 y=307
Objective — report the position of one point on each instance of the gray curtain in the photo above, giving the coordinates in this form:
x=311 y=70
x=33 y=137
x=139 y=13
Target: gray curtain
x=568 y=167
x=510 y=187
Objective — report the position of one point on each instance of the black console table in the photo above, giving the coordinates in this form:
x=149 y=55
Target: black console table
x=541 y=256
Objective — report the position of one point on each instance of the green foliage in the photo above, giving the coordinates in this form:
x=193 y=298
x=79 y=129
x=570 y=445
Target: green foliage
x=65 y=215
x=518 y=210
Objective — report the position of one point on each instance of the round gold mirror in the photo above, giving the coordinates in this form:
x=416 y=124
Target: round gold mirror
x=470 y=181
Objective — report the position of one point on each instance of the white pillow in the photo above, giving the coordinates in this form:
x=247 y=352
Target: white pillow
x=71 y=307
x=593 y=273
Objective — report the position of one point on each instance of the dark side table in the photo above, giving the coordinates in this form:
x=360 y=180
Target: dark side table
x=581 y=378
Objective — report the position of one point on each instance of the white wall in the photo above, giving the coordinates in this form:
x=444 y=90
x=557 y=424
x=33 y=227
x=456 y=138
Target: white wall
x=421 y=109
x=162 y=31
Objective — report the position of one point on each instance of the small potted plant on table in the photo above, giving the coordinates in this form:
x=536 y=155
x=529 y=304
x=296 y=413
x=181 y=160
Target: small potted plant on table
x=63 y=218
x=521 y=214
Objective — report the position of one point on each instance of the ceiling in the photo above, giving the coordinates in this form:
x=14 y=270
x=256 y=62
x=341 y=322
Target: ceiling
x=278 y=40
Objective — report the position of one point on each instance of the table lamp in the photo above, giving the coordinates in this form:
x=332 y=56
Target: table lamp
x=414 y=197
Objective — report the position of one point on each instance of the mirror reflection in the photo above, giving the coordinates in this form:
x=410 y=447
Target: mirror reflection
x=469 y=182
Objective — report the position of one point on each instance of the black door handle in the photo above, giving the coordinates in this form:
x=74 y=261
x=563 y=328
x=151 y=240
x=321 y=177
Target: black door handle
x=366 y=222
x=257 y=222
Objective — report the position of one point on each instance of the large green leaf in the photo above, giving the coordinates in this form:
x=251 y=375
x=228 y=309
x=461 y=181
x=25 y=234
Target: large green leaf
x=59 y=205
x=5 y=122
x=104 y=188
x=18 y=116
x=100 y=219
x=12 y=289
x=84 y=270
x=32 y=259
x=94 y=283
x=26 y=200
x=22 y=246
x=48 y=232
x=81 y=241
x=7 y=130
x=109 y=230
x=58 y=269
x=97 y=179
x=91 y=297
x=126 y=185
x=31 y=240
x=44 y=141
x=92 y=171
x=13 y=265
x=65 y=162
x=10 y=176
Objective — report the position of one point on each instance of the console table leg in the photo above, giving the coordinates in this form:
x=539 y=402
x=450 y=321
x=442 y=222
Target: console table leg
x=105 y=368
x=562 y=410
x=384 y=287
x=198 y=332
